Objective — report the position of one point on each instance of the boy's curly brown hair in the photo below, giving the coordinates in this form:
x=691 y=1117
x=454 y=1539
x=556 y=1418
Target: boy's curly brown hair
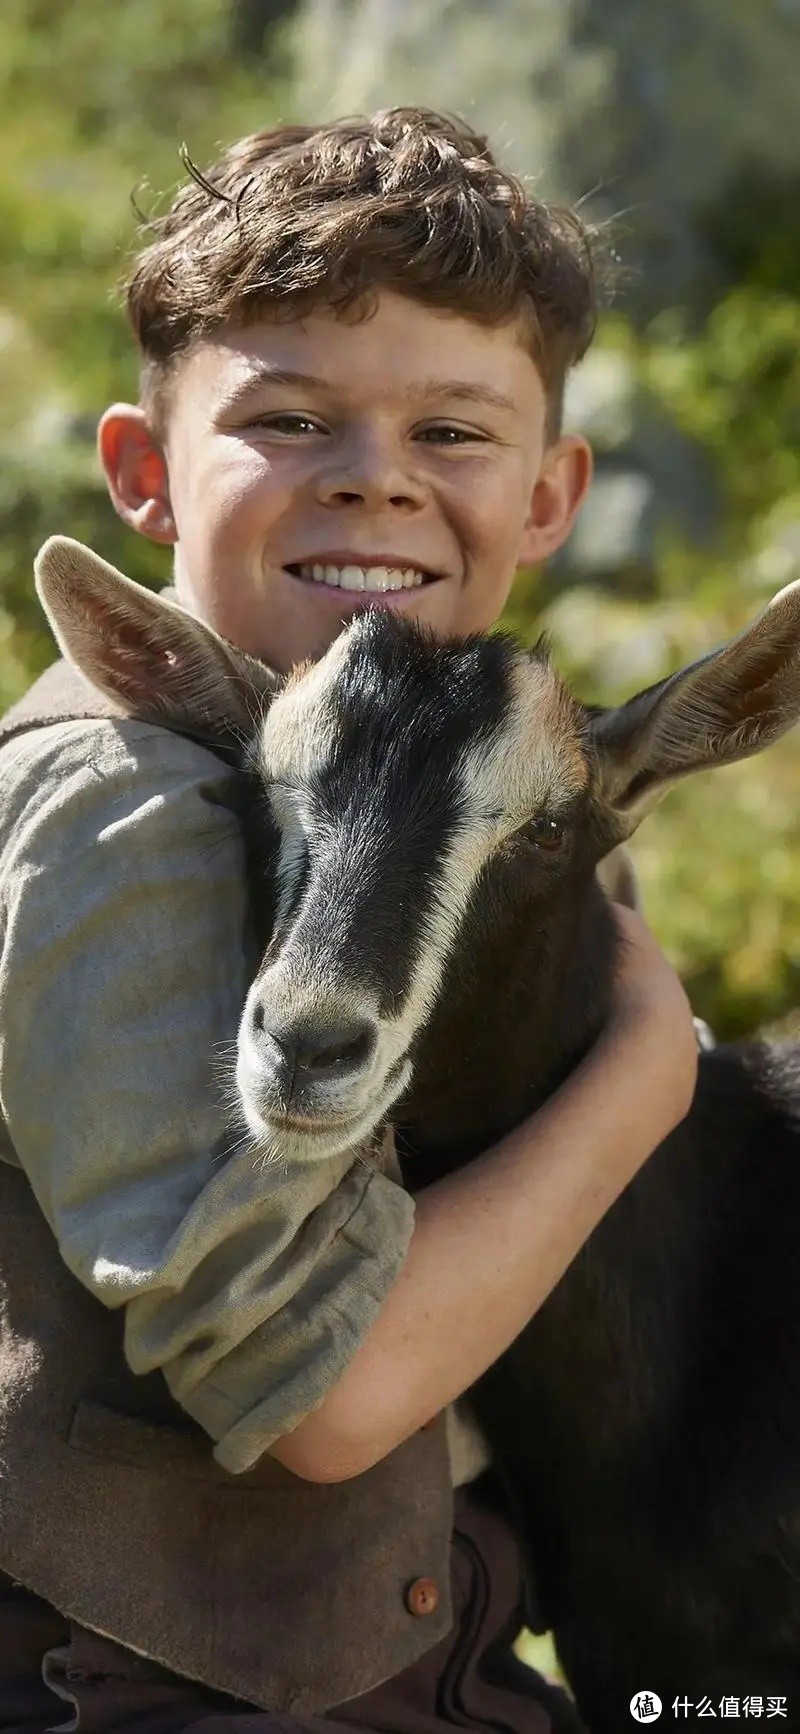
x=405 y=199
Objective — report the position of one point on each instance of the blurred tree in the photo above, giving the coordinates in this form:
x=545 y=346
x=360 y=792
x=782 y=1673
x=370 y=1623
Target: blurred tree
x=251 y=20
x=753 y=229
x=701 y=96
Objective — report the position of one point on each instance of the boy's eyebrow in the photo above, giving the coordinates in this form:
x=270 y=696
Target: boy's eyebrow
x=264 y=375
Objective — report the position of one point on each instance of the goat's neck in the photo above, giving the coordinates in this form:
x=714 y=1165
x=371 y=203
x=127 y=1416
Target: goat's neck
x=522 y=1001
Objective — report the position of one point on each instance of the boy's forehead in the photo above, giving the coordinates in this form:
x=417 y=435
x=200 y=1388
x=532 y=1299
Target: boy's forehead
x=402 y=349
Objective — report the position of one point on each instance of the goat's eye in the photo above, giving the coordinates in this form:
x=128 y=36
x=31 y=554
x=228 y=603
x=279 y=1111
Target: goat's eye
x=546 y=833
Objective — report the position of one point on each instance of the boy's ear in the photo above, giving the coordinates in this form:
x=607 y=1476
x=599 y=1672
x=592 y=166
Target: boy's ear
x=145 y=653
x=727 y=706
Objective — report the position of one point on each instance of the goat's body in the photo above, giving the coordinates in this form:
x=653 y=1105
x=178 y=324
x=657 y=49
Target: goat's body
x=649 y=1414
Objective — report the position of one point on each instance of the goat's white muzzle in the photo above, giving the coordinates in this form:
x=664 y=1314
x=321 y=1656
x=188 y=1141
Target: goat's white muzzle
x=319 y=1082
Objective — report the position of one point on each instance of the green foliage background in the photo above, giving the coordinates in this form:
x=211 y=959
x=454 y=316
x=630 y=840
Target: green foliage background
x=94 y=101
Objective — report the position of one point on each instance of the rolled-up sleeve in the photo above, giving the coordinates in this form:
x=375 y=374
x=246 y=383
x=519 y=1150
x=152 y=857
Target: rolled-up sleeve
x=125 y=956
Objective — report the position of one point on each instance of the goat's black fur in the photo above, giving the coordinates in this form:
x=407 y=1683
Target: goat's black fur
x=648 y=1417
x=649 y=1414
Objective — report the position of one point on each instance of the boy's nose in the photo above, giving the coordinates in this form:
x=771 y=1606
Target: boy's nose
x=371 y=469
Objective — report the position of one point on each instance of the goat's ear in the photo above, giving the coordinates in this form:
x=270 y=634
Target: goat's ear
x=144 y=652
x=728 y=705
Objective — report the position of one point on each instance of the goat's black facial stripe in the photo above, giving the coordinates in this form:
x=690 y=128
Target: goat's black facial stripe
x=384 y=803
x=380 y=928
x=297 y=889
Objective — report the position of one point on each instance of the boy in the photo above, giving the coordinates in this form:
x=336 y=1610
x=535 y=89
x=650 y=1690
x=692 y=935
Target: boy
x=354 y=344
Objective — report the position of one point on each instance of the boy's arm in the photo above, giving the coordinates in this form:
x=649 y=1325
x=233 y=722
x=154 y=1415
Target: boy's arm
x=124 y=960
x=491 y=1241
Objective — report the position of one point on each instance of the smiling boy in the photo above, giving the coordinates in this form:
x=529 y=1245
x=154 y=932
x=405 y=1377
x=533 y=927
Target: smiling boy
x=415 y=429
x=354 y=347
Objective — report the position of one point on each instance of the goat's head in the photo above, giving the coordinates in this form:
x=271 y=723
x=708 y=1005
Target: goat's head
x=405 y=779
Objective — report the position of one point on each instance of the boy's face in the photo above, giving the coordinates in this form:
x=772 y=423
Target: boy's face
x=416 y=440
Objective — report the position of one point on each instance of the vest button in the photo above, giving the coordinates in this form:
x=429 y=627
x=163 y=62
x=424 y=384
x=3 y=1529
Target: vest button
x=422 y=1597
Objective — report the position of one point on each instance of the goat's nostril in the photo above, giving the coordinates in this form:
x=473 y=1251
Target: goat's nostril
x=329 y=1047
x=304 y=1053
x=334 y=1047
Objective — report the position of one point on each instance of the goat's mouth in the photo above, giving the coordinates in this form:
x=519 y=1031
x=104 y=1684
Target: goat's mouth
x=314 y=1135
x=311 y=1125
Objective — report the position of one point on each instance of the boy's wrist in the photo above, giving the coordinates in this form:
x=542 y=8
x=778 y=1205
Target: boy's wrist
x=651 y=1016
x=648 y=1051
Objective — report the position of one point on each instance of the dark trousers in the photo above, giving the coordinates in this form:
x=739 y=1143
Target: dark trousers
x=57 y=1675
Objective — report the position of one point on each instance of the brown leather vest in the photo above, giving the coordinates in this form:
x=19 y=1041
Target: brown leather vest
x=290 y=1595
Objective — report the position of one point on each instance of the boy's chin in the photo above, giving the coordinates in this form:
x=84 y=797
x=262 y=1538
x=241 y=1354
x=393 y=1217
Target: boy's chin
x=296 y=621
x=328 y=609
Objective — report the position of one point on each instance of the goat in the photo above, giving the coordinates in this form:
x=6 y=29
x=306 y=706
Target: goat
x=441 y=952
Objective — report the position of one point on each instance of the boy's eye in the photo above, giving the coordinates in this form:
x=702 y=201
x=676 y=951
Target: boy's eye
x=273 y=422
x=460 y=433
x=294 y=423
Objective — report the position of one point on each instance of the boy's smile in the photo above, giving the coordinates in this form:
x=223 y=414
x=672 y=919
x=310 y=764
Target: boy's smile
x=314 y=467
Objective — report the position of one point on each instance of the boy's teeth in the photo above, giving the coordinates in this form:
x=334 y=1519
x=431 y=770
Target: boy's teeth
x=378 y=578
